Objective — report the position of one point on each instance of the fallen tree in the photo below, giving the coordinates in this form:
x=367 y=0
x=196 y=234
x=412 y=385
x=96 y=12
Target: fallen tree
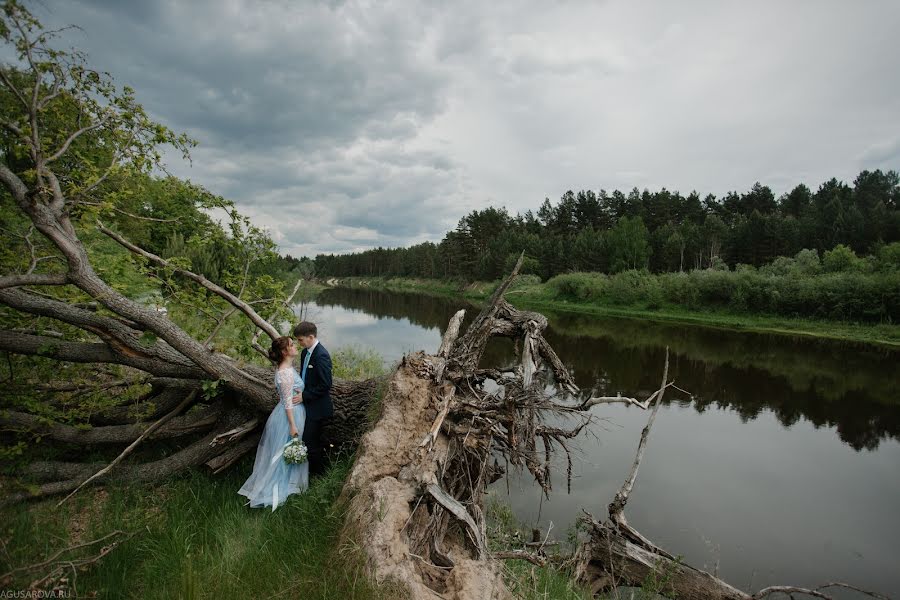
x=416 y=490
x=68 y=139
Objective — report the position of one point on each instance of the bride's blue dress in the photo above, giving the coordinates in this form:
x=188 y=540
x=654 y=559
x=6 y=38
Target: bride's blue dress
x=272 y=479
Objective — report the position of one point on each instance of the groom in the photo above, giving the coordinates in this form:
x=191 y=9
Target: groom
x=315 y=370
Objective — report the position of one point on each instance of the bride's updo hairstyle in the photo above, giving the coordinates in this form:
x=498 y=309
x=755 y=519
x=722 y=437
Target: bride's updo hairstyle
x=279 y=349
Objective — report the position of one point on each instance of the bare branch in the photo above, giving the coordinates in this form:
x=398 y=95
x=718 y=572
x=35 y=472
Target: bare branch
x=55 y=90
x=219 y=323
x=77 y=134
x=46 y=563
x=9 y=85
x=132 y=215
x=15 y=185
x=84 y=352
x=623 y=400
x=618 y=504
x=12 y=281
x=535 y=559
x=203 y=281
x=15 y=130
x=107 y=434
x=815 y=592
x=188 y=399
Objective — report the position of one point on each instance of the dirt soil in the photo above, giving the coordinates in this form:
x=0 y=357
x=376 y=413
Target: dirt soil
x=383 y=490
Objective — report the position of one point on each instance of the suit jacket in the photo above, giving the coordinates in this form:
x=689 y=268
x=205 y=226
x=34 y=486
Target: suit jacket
x=317 y=383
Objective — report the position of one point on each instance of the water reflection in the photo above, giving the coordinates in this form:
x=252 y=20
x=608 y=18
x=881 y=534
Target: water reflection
x=783 y=468
x=850 y=387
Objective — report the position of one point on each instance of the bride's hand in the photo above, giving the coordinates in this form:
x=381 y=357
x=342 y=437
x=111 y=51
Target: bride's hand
x=294 y=431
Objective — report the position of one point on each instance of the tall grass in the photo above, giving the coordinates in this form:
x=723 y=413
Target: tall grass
x=195 y=538
x=524 y=579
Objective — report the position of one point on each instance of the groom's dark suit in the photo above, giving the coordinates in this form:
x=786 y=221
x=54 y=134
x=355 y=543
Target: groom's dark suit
x=317 y=400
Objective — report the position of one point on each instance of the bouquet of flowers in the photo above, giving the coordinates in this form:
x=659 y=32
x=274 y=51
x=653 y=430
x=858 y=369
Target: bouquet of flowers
x=295 y=452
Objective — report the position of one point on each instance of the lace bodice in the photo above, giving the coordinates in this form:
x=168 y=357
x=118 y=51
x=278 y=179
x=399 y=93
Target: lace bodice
x=288 y=384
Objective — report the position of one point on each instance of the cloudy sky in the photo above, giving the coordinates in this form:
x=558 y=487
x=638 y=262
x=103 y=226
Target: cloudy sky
x=343 y=126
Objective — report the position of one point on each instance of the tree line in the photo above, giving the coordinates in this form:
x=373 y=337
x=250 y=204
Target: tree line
x=662 y=231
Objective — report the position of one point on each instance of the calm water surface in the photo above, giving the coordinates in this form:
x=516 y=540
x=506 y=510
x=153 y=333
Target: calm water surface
x=783 y=469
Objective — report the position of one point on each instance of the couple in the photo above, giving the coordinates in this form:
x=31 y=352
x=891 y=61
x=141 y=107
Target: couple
x=303 y=408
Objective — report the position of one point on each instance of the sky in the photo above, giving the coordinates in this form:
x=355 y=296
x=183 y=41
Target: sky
x=342 y=126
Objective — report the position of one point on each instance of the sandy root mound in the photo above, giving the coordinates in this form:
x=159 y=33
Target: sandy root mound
x=385 y=487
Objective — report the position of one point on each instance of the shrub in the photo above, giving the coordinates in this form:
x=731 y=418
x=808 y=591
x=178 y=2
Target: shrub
x=678 y=288
x=889 y=257
x=630 y=287
x=839 y=259
x=580 y=286
x=807 y=262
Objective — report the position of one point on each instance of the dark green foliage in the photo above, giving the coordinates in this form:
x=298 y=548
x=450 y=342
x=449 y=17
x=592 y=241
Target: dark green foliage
x=663 y=231
x=734 y=253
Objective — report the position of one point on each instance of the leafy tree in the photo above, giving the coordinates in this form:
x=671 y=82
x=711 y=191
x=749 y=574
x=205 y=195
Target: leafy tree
x=77 y=157
x=628 y=245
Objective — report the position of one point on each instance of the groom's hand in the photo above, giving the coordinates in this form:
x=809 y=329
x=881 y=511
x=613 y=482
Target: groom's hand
x=298 y=399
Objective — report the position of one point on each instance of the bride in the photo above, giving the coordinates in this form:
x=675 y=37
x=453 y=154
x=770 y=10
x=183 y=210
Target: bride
x=273 y=479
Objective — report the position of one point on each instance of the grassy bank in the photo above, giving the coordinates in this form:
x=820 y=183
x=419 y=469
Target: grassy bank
x=551 y=296
x=193 y=538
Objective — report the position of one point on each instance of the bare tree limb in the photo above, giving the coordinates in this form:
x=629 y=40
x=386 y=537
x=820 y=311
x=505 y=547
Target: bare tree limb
x=11 y=87
x=190 y=398
x=132 y=215
x=46 y=563
x=618 y=504
x=74 y=136
x=11 y=281
x=109 y=434
x=594 y=401
x=201 y=280
x=815 y=592
x=84 y=352
x=15 y=185
x=535 y=559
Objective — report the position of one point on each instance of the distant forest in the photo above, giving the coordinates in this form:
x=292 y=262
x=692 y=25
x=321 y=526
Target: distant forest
x=661 y=231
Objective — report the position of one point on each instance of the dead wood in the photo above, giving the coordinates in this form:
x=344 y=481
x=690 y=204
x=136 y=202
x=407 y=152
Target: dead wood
x=417 y=487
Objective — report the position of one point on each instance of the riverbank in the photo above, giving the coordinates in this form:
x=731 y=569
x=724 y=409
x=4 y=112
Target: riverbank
x=192 y=536
x=532 y=294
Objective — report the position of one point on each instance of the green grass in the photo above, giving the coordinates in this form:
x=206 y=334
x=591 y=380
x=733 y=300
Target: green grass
x=532 y=294
x=524 y=579
x=881 y=334
x=194 y=538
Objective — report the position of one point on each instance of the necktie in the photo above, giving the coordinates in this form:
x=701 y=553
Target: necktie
x=305 y=364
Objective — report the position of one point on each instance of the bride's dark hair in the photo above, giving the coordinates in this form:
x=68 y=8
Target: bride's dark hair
x=279 y=349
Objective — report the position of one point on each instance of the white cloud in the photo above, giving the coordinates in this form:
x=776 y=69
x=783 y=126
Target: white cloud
x=348 y=125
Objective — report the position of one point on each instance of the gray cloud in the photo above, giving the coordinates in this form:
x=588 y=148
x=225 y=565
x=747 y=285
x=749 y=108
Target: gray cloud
x=347 y=125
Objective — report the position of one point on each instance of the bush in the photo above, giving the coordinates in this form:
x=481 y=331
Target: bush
x=889 y=257
x=781 y=266
x=678 y=288
x=781 y=288
x=807 y=262
x=523 y=281
x=630 y=287
x=580 y=286
x=839 y=259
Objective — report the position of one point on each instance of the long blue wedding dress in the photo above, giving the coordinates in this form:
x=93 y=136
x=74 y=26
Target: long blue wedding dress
x=272 y=479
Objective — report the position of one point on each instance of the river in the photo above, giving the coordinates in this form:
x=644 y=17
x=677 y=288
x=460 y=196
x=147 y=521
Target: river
x=783 y=468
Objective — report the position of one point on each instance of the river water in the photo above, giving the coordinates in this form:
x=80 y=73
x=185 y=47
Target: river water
x=784 y=467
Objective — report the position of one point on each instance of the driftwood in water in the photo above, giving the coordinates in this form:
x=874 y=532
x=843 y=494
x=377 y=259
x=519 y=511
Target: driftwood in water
x=416 y=491
x=617 y=555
